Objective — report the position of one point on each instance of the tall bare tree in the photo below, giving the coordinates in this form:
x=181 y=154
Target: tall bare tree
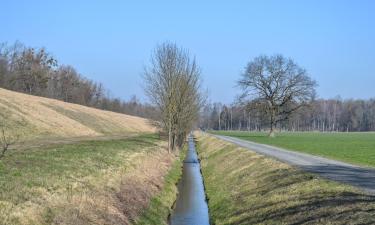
x=279 y=84
x=172 y=83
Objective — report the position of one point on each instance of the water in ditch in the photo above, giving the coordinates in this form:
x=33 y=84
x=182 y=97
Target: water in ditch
x=191 y=206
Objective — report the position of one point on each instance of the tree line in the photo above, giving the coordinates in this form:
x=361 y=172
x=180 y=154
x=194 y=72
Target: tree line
x=172 y=83
x=321 y=115
x=35 y=71
x=277 y=93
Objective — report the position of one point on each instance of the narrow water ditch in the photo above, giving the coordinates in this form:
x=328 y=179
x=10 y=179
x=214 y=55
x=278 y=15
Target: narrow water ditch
x=191 y=206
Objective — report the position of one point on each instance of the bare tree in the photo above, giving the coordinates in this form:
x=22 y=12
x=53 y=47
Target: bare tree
x=8 y=136
x=36 y=72
x=32 y=71
x=3 y=71
x=327 y=115
x=172 y=83
x=279 y=84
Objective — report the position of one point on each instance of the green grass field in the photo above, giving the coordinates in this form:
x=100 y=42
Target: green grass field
x=244 y=187
x=356 y=148
x=89 y=182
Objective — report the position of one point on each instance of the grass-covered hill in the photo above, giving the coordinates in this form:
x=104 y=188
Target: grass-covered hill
x=39 y=117
x=79 y=165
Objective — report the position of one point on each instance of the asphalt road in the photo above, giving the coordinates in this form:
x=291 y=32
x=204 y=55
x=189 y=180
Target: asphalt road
x=361 y=177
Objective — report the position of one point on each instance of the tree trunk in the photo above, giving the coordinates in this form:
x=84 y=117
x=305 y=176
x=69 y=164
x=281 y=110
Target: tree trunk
x=170 y=141
x=219 y=122
x=272 y=132
x=272 y=124
x=231 y=119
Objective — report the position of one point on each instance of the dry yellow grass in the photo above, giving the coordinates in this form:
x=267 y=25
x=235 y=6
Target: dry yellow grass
x=44 y=117
x=244 y=187
x=125 y=196
x=92 y=182
x=78 y=165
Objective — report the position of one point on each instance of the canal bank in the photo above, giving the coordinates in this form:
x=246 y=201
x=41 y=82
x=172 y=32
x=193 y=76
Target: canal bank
x=191 y=206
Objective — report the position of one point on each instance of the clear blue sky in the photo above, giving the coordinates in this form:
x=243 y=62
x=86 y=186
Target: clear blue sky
x=111 y=41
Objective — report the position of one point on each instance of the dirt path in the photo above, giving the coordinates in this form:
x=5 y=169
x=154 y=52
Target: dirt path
x=361 y=177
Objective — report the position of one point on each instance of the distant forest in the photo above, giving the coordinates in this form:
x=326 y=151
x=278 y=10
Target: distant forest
x=37 y=72
x=279 y=94
x=321 y=115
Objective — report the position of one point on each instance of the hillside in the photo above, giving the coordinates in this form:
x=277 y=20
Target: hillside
x=43 y=117
x=80 y=165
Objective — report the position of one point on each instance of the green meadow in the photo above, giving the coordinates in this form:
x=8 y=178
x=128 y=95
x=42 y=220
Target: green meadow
x=356 y=148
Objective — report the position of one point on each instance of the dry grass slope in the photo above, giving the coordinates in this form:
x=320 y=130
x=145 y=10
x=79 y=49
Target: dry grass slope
x=44 y=117
x=80 y=165
x=247 y=188
x=92 y=182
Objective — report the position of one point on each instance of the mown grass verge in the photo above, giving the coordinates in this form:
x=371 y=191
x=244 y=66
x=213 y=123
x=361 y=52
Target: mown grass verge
x=247 y=188
x=90 y=182
x=357 y=148
x=161 y=205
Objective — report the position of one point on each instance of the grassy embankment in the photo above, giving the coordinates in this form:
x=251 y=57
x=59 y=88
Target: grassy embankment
x=357 y=148
x=47 y=120
x=247 y=188
x=160 y=206
x=91 y=182
x=79 y=165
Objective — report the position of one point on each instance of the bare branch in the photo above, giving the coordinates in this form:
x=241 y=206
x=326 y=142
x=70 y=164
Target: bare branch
x=279 y=84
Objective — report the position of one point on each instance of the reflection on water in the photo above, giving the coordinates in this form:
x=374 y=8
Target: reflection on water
x=191 y=206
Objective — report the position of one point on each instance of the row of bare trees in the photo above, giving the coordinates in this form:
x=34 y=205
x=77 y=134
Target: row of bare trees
x=172 y=82
x=321 y=115
x=35 y=71
x=277 y=93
